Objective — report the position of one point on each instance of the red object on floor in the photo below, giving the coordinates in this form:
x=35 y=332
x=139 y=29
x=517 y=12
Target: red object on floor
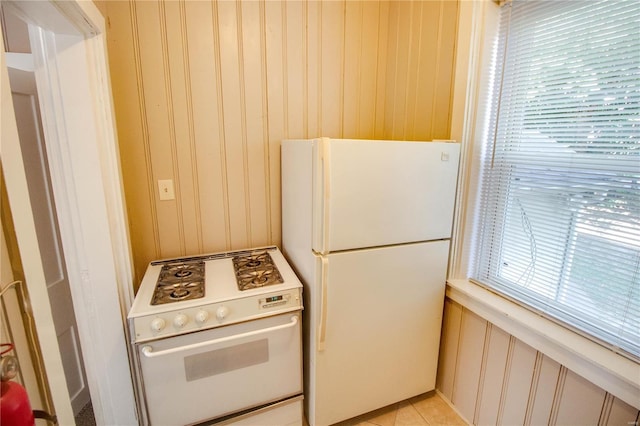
x=15 y=409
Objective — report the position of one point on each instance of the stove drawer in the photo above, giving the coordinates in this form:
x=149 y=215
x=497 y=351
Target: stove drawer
x=213 y=373
x=284 y=413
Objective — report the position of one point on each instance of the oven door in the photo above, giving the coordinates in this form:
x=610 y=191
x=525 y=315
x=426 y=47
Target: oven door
x=212 y=373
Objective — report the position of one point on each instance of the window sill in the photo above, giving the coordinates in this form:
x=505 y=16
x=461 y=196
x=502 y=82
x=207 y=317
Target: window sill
x=614 y=373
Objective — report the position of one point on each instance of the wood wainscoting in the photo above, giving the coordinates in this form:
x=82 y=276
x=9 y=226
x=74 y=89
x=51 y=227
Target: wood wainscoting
x=492 y=378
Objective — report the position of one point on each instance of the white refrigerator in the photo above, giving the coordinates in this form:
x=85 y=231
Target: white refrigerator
x=366 y=224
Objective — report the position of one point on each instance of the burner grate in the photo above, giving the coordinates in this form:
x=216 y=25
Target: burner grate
x=180 y=280
x=255 y=270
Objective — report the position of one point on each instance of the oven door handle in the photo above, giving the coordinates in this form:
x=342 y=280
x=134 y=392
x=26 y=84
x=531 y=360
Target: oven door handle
x=148 y=351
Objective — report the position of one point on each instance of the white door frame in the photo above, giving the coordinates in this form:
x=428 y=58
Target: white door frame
x=68 y=41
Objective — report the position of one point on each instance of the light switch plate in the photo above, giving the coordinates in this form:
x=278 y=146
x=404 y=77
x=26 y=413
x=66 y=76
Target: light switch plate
x=165 y=188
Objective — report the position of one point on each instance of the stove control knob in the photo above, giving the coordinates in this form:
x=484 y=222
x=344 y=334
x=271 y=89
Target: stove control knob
x=202 y=317
x=180 y=320
x=222 y=312
x=157 y=324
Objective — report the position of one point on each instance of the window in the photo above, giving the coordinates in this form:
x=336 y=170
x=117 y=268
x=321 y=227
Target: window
x=559 y=218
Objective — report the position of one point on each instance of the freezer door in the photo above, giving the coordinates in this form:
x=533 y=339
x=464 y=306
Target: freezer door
x=378 y=329
x=376 y=193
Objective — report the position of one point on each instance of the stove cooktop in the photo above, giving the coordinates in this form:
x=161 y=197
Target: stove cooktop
x=178 y=296
x=184 y=279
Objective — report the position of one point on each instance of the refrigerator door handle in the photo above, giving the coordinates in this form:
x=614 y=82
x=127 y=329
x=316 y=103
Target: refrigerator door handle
x=322 y=196
x=326 y=154
x=322 y=327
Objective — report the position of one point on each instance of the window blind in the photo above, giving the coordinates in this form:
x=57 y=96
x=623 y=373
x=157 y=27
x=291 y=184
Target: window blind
x=559 y=213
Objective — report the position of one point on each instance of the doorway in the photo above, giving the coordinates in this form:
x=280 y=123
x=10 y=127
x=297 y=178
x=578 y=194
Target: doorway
x=29 y=124
x=76 y=109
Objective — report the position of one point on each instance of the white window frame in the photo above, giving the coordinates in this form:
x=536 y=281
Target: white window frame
x=614 y=373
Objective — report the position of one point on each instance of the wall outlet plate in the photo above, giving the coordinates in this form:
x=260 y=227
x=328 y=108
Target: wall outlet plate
x=165 y=188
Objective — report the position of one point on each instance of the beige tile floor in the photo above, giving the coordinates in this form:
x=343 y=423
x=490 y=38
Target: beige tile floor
x=426 y=409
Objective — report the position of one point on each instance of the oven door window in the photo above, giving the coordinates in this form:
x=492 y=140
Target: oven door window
x=225 y=360
x=213 y=373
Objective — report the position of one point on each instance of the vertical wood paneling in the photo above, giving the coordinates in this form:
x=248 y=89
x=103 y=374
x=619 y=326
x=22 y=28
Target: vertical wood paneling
x=275 y=105
x=622 y=414
x=269 y=209
x=193 y=231
x=545 y=382
x=557 y=396
x=493 y=375
x=130 y=118
x=254 y=82
x=449 y=348
x=332 y=47
x=294 y=77
x=413 y=68
x=420 y=65
x=205 y=91
x=313 y=87
x=520 y=365
x=426 y=87
x=352 y=68
x=399 y=41
x=207 y=126
x=369 y=55
x=384 y=23
x=445 y=64
x=580 y=401
x=235 y=142
x=152 y=54
x=469 y=363
x=177 y=69
x=494 y=378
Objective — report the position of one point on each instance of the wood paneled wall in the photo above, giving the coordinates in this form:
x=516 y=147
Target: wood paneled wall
x=204 y=92
x=420 y=67
x=492 y=378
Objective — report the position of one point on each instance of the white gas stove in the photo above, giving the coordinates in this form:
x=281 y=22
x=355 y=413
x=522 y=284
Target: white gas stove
x=219 y=335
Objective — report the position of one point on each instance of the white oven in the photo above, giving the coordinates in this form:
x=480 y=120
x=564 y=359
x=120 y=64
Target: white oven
x=225 y=356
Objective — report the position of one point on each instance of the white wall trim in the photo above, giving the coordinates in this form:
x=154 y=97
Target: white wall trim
x=475 y=47
x=110 y=162
x=612 y=372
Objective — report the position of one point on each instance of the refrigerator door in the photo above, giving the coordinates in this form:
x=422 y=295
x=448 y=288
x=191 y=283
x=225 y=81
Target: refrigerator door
x=377 y=329
x=377 y=193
